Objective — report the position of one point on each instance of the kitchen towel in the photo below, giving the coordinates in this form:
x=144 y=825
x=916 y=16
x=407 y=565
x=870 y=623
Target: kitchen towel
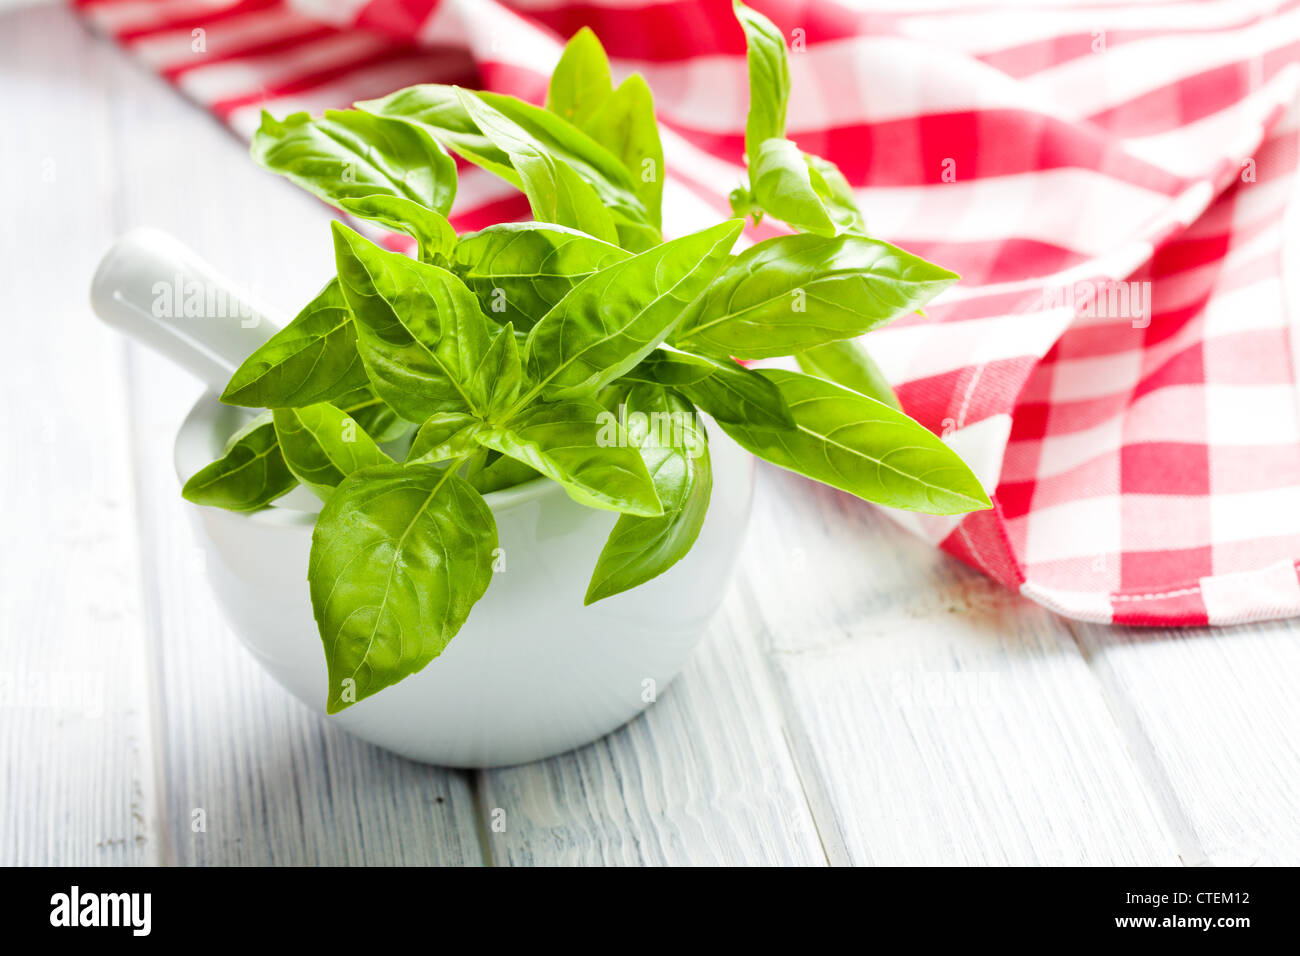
x=1113 y=182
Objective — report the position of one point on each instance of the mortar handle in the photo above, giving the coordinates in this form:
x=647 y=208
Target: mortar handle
x=158 y=292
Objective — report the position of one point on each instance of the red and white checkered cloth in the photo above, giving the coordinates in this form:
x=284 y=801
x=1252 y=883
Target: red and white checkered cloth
x=1142 y=434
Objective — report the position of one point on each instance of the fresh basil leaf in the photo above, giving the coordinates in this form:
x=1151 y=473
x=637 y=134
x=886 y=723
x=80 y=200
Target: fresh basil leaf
x=769 y=78
x=312 y=359
x=350 y=153
x=377 y=417
x=793 y=293
x=591 y=160
x=636 y=236
x=431 y=230
x=444 y=436
x=723 y=388
x=836 y=193
x=783 y=187
x=864 y=447
x=582 y=446
x=625 y=124
x=615 y=317
x=676 y=454
x=322 y=445
x=555 y=191
x=806 y=191
x=519 y=270
x=500 y=373
x=442 y=111
x=399 y=556
x=847 y=363
x=581 y=82
x=419 y=329
x=250 y=475
x=502 y=473
x=437 y=109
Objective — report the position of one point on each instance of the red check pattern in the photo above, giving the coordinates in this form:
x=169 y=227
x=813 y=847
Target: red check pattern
x=1113 y=181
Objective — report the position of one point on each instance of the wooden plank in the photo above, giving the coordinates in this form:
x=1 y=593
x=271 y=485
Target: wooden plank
x=703 y=777
x=945 y=720
x=74 y=725
x=277 y=784
x=1214 y=717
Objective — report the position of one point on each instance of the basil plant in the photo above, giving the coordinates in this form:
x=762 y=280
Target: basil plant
x=531 y=350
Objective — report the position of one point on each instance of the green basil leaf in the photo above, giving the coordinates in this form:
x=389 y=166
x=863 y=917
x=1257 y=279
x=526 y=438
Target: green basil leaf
x=441 y=110
x=625 y=124
x=399 y=556
x=431 y=230
x=864 y=447
x=419 y=329
x=501 y=372
x=836 y=193
x=590 y=159
x=503 y=473
x=312 y=359
x=377 y=417
x=615 y=317
x=350 y=153
x=793 y=293
x=554 y=189
x=322 y=445
x=783 y=187
x=582 y=446
x=806 y=191
x=769 y=78
x=676 y=454
x=847 y=363
x=581 y=82
x=250 y=475
x=444 y=436
x=437 y=109
x=723 y=388
x=519 y=270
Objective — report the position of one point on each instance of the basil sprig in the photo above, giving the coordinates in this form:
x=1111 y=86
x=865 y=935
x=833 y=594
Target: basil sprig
x=580 y=348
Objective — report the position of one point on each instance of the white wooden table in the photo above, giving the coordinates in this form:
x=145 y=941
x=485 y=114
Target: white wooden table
x=861 y=699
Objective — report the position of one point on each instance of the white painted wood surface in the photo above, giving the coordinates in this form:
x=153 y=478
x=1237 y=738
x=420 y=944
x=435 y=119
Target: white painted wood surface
x=861 y=699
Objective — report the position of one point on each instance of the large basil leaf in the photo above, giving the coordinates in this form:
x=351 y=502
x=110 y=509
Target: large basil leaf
x=864 y=447
x=431 y=230
x=419 y=329
x=721 y=387
x=793 y=293
x=555 y=191
x=580 y=83
x=322 y=445
x=519 y=270
x=312 y=359
x=676 y=454
x=250 y=475
x=399 y=556
x=582 y=446
x=847 y=363
x=625 y=124
x=614 y=318
x=349 y=153
x=769 y=79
